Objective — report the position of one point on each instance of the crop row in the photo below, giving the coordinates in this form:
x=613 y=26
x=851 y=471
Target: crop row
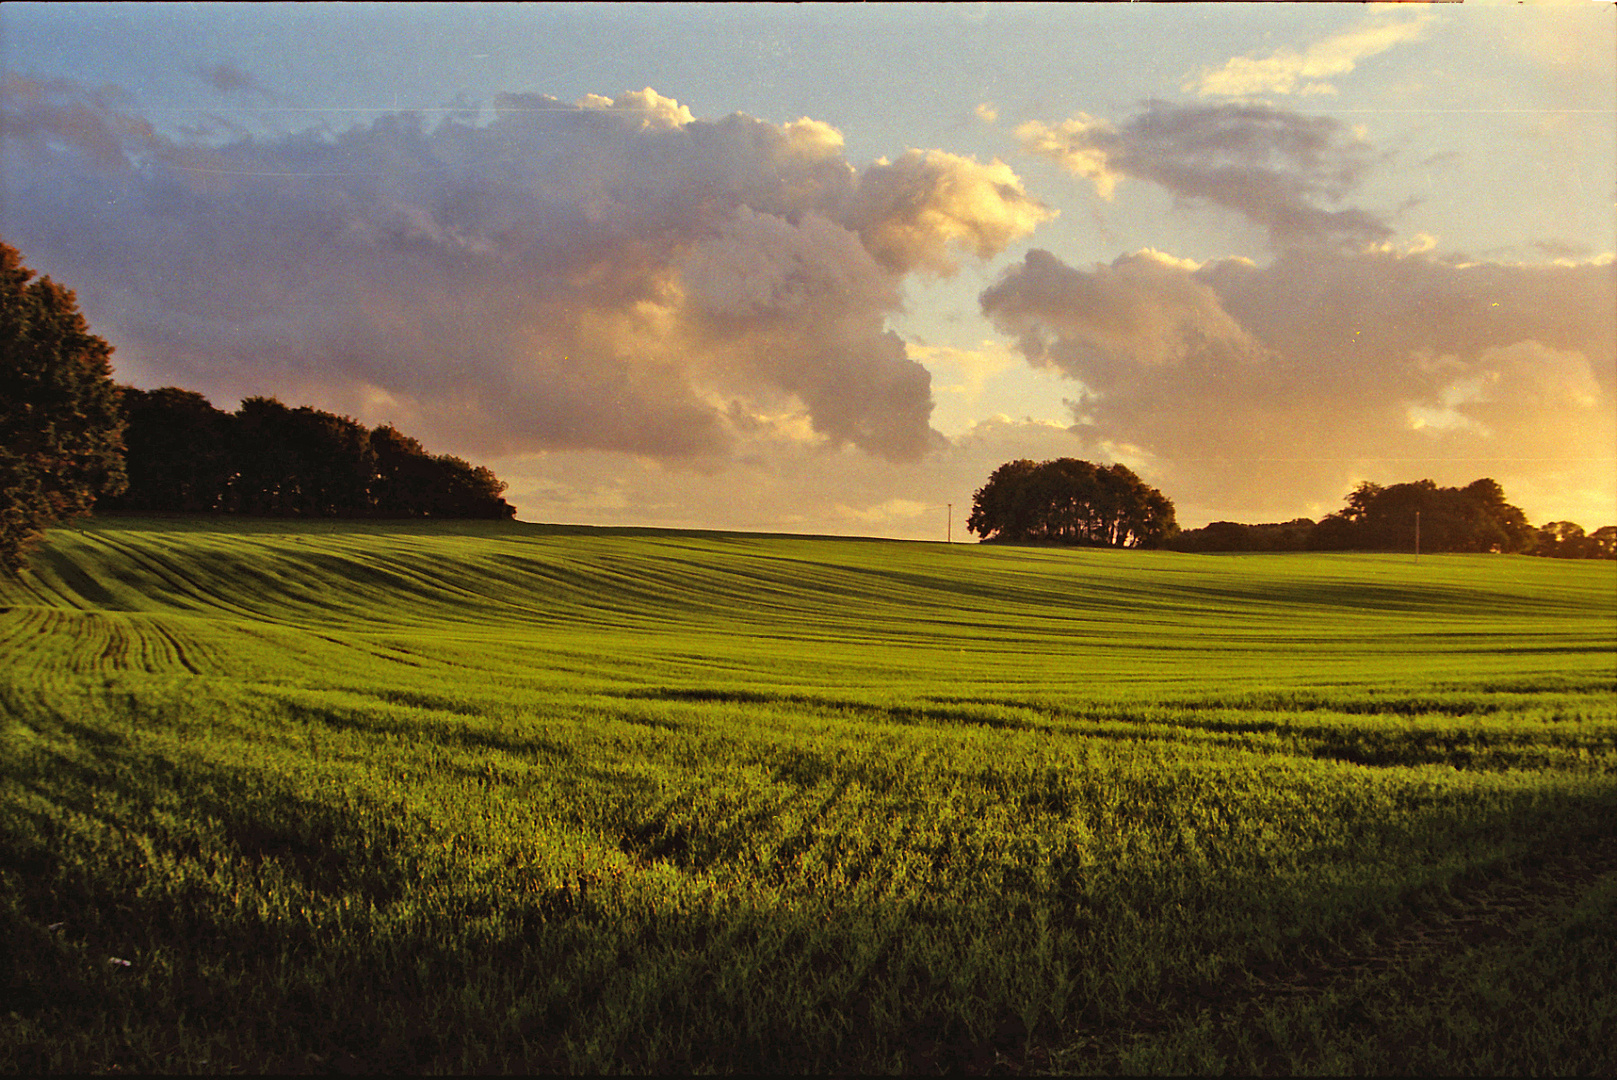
x=475 y=828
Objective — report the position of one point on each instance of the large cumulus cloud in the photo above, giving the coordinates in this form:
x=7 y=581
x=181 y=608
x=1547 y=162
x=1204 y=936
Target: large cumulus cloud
x=611 y=274
x=1270 y=388
x=1259 y=387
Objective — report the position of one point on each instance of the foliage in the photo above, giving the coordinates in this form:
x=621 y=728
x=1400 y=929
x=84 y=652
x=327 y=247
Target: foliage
x=414 y=797
x=271 y=460
x=1474 y=518
x=413 y=483
x=1232 y=536
x=178 y=452
x=60 y=426
x=299 y=462
x=1067 y=501
x=1567 y=540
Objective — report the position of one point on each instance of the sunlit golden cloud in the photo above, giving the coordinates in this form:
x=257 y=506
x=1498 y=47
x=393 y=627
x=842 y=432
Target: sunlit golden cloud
x=1257 y=385
x=614 y=274
x=1305 y=72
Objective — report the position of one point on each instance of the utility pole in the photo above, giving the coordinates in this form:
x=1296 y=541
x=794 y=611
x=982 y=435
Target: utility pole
x=1417 y=536
x=948 y=537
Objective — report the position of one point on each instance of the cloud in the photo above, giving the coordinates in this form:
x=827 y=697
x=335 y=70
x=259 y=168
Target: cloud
x=1260 y=387
x=1287 y=71
x=1083 y=145
x=65 y=116
x=971 y=368
x=780 y=484
x=968 y=383
x=226 y=78
x=987 y=112
x=1143 y=311
x=1272 y=166
x=1562 y=249
x=614 y=274
x=918 y=211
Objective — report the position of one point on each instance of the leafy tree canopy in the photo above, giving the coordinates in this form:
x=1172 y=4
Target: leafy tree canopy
x=61 y=429
x=186 y=456
x=1470 y=519
x=1473 y=518
x=1067 y=501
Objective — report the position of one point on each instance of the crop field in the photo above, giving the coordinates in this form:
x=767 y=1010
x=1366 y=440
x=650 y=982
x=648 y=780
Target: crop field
x=313 y=797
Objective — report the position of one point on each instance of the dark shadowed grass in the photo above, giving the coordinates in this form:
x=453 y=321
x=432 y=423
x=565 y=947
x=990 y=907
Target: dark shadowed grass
x=453 y=798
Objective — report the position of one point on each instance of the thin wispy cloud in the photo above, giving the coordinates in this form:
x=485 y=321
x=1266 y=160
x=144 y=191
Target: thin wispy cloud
x=1288 y=71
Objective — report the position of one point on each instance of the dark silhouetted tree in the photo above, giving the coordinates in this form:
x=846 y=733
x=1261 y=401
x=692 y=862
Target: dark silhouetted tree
x=1561 y=540
x=338 y=464
x=404 y=473
x=1067 y=501
x=268 y=459
x=470 y=491
x=1003 y=507
x=1473 y=518
x=299 y=462
x=1496 y=525
x=1232 y=536
x=177 y=452
x=412 y=483
x=61 y=429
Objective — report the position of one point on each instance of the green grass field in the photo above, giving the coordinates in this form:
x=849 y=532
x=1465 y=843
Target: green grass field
x=337 y=796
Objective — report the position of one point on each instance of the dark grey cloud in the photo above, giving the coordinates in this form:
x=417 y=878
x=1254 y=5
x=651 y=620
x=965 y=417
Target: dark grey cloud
x=610 y=274
x=1563 y=249
x=1280 y=169
x=226 y=78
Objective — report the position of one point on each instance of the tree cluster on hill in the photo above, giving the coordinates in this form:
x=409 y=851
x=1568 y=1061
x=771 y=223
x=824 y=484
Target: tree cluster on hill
x=60 y=426
x=1474 y=518
x=1067 y=501
x=184 y=455
x=72 y=439
x=1567 y=540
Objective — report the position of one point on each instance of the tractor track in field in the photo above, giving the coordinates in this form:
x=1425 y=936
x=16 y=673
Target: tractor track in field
x=1480 y=909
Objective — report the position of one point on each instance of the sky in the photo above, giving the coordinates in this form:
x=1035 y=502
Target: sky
x=822 y=268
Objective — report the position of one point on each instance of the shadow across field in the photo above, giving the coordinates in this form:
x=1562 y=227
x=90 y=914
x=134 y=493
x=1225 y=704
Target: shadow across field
x=194 y=810
x=1375 y=732
x=847 y=707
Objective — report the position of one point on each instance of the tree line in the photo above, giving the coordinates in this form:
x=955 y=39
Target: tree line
x=1474 y=518
x=183 y=455
x=1067 y=501
x=71 y=439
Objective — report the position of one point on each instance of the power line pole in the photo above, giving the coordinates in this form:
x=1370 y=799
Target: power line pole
x=1417 y=536
x=948 y=537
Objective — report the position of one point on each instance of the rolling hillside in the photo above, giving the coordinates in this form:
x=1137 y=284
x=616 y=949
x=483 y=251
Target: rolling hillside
x=301 y=796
